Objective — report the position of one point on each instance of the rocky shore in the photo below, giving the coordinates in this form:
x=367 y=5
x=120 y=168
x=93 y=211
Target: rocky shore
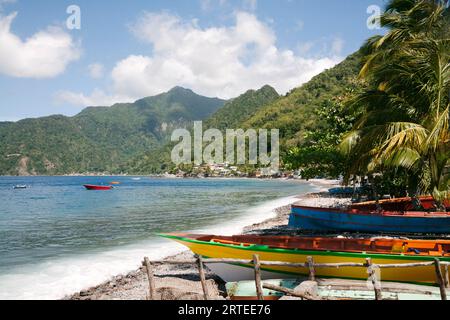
x=178 y=282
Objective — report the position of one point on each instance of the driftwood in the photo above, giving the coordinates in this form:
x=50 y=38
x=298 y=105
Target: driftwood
x=441 y=280
x=151 y=279
x=373 y=277
x=446 y=276
x=289 y=292
x=201 y=271
x=259 y=288
x=312 y=270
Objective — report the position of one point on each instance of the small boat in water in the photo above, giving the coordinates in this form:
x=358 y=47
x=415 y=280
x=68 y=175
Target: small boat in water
x=20 y=187
x=97 y=187
x=353 y=220
x=322 y=250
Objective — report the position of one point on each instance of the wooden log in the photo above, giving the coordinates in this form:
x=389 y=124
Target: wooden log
x=338 y=265
x=446 y=277
x=289 y=292
x=440 y=278
x=259 y=288
x=201 y=272
x=312 y=270
x=373 y=278
x=404 y=265
x=151 y=279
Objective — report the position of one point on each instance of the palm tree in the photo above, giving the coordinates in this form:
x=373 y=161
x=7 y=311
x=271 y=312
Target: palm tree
x=406 y=118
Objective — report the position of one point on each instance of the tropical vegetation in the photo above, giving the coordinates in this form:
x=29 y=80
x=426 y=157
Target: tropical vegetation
x=404 y=125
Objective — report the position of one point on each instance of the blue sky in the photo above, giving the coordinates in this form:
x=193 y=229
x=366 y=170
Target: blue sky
x=126 y=50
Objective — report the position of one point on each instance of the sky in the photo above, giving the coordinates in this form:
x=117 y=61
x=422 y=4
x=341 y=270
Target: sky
x=58 y=56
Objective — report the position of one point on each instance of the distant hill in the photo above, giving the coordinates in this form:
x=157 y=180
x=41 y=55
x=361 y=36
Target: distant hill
x=99 y=138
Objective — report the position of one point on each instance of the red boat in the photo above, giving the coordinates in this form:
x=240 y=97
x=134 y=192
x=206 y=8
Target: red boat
x=94 y=187
x=399 y=204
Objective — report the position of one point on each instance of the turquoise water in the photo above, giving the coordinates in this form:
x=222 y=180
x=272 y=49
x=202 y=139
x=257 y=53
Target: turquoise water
x=57 y=238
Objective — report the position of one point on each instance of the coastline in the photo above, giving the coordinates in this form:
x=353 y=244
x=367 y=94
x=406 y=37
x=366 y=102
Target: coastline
x=175 y=282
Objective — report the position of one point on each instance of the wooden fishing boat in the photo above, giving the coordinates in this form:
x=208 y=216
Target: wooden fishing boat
x=97 y=188
x=334 y=289
x=398 y=204
x=331 y=219
x=323 y=250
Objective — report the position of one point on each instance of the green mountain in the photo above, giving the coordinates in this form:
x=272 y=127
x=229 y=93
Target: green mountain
x=296 y=113
x=237 y=111
x=134 y=137
x=231 y=116
x=98 y=139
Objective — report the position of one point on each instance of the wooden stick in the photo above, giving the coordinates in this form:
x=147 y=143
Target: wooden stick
x=373 y=277
x=289 y=292
x=301 y=265
x=404 y=265
x=440 y=278
x=446 y=277
x=312 y=271
x=201 y=271
x=259 y=289
x=151 y=279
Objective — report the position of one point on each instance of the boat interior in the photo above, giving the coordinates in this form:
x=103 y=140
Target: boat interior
x=375 y=245
x=369 y=211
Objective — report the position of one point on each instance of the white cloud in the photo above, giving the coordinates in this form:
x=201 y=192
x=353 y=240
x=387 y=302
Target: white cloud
x=214 y=61
x=96 y=70
x=45 y=54
x=96 y=98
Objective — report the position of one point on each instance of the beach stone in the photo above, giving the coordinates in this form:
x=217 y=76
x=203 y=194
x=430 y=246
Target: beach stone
x=308 y=288
x=85 y=293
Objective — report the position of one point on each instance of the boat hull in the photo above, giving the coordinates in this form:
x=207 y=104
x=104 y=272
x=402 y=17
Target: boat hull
x=97 y=188
x=319 y=219
x=206 y=249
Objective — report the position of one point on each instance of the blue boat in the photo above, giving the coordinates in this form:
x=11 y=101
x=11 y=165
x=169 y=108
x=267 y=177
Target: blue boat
x=329 y=219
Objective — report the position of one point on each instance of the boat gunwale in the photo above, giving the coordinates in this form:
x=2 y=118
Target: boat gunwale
x=383 y=214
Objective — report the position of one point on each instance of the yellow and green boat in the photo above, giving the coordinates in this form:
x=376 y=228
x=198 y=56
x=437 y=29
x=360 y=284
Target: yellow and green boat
x=323 y=250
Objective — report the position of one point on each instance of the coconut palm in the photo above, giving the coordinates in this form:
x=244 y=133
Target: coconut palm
x=406 y=118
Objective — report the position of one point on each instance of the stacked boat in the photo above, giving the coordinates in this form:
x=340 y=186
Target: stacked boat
x=397 y=216
x=400 y=218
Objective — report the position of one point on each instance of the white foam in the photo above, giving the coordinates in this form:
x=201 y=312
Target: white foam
x=60 y=277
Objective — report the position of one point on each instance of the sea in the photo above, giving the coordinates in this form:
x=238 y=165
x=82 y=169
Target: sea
x=56 y=238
